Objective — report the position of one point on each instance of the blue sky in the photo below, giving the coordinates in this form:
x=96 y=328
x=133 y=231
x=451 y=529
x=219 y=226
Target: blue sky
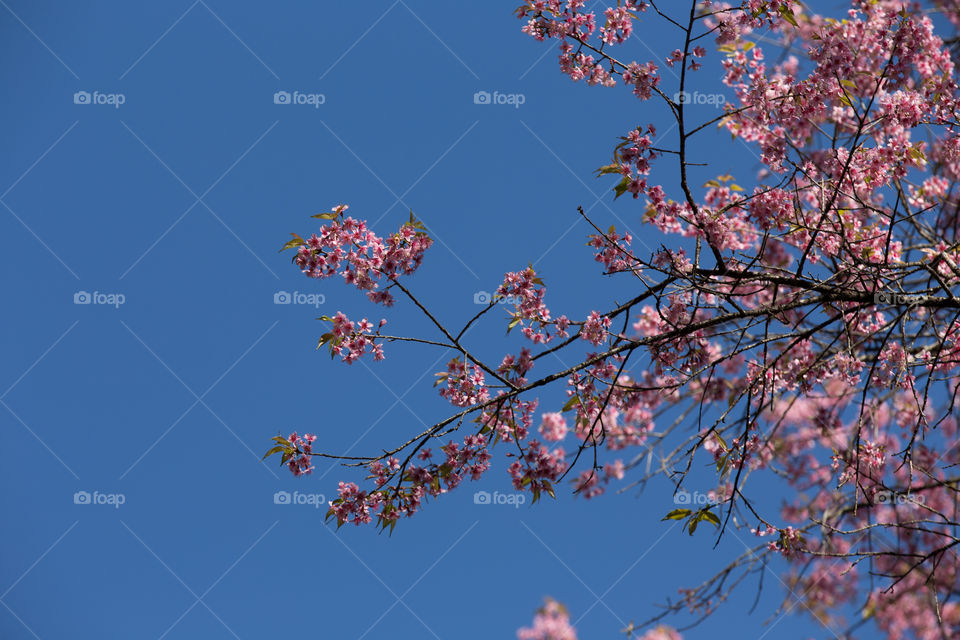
x=167 y=210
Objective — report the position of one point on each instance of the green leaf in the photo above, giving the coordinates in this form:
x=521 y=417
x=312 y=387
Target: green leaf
x=571 y=403
x=332 y=344
x=711 y=517
x=677 y=514
x=549 y=489
x=273 y=451
x=324 y=339
x=721 y=441
x=621 y=188
x=513 y=323
x=416 y=224
x=722 y=464
x=608 y=168
x=296 y=242
x=326 y=216
x=693 y=525
x=787 y=14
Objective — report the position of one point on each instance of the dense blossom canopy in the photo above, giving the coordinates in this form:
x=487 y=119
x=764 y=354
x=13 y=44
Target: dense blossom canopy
x=805 y=327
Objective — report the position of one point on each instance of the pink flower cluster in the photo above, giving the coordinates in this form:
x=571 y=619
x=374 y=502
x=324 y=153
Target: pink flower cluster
x=570 y=21
x=551 y=622
x=595 y=328
x=643 y=77
x=536 y=468
x=611 y=250
x=874 y=40
x=471 y=458
x=619 y=24
x=588 y=483
x=620 y=415
x=466 y=385
x=346 y=246
x=662 y=632
x=528 y=290
x=515 y=368
x=510 y=420
x=300 y=462
x=635 y=157
x=553 y=428
x=350 y=340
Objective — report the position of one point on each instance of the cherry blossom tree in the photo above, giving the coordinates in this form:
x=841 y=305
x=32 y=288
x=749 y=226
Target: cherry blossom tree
x=552 y=622
x=803 y=328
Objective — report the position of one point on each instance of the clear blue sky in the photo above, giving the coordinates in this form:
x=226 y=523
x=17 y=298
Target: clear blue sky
x=177 y=200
